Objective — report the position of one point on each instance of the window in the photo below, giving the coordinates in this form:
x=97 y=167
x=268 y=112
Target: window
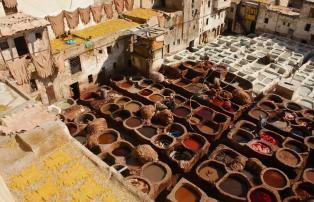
x=38 y=35
x=33 y=85
x=109 y=50
x=75 y=64
x=90 y=78
x=307 y=27
x=9 y=11
x=4 y=45
x=21 y=46
x=266 y=20
x=311 y=14
x=207 y=21
x=209 y=3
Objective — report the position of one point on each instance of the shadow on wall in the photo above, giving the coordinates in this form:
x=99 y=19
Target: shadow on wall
x=118 y=60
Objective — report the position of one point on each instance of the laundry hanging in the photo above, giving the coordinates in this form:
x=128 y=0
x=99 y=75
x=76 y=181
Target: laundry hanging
x=43 y=63
x=108 y=10
x=129 y=4
x=18 y=70
x=57 y=24
x=84 y=15
x=119 y=4
x=72 y=18
x=58 y=62
x=10 y=3
x=97 y=12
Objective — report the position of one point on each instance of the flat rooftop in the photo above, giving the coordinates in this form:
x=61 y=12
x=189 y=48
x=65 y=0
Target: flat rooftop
x=93 y=32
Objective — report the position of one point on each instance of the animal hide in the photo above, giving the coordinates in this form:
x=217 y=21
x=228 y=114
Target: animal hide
x=18 y=69
x=97 y=12
x=57 y=24
x=72 y=18
x=43 y=63
x=119 y=4
x=84 y=15
x=108 y=10
x=129 y=4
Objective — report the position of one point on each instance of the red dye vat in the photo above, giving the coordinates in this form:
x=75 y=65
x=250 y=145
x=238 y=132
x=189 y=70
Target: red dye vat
x=262 y=148
x=217 y=102
x=260 y=196
x=228 y=106
x=268 y=138
x=192 y=144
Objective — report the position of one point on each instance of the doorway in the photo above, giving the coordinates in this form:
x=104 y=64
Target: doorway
x=75 y=90
x=252 y=27
x=51 y=94
x=21 y=46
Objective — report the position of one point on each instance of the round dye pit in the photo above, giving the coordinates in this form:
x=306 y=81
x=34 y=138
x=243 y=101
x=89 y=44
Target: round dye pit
x=122 y=151
x=294 y=106
x=288 y=157
x=107 y=138
x=187 y=194
x=309 y=175
x=154 y=172
x=133 y=122
x=268 y=137
x=122 y=100
x=193 y=143
x=175 y=130
x=126 y=84
x=109 y=108
x=85 y=118
x=275 y=98
x=193 y=88
x=148 y=131
x=156 y=98
x=242 y=136
x=140 y=184
x=257 y=113
x=248 y=127
x=261 y=195
x=274 y=178
x=295 y=146
x=182 y=112
x=267 y=106
x=309 y=141
x=211 y=172
x=261 y=147
x=163 y=141
x=235 y=186
x=182 y=154
x=133 y=107
x=205 y=113
x=304 y=190
x=208 y=128
x=146 y=92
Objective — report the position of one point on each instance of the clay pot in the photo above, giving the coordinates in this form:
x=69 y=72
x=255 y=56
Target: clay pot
x=304 y=190
x=262 y=194
x=163 y=141
x=234 y=187
x=289 y=158
x=108 y=109
x=274 y=179
x=132 y=123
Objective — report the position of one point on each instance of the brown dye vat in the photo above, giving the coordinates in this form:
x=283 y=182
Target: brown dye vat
x=163 y=141
x=293 y=106
x=133 y=122
x=304 y=190
x=257 y=113
x=182 y=112
x=73 y=128
x=275 y=178
x=248 y=126
x=154 y=172
x=148 y=131
x=309 y=141
x=133 y=106
x=211 y=171
x=208 y=127
x=109 y=108
x=133 y=161
x=187 y=194
x=288 y=157
x=308 y=175
x=275 y=98
x=235 y=186
x=122 y=151
x=194 y=120
x=85 y=118
x=140 y=184
x=146 y=92
x=107 y=138
x=122 y=100
x=193 y=88
x=205 y=113
x=226 y=156
x=267 y=106
x=156 y=98
x=126 y=84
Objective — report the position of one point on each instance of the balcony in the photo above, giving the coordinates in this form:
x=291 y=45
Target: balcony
x=221 y=4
